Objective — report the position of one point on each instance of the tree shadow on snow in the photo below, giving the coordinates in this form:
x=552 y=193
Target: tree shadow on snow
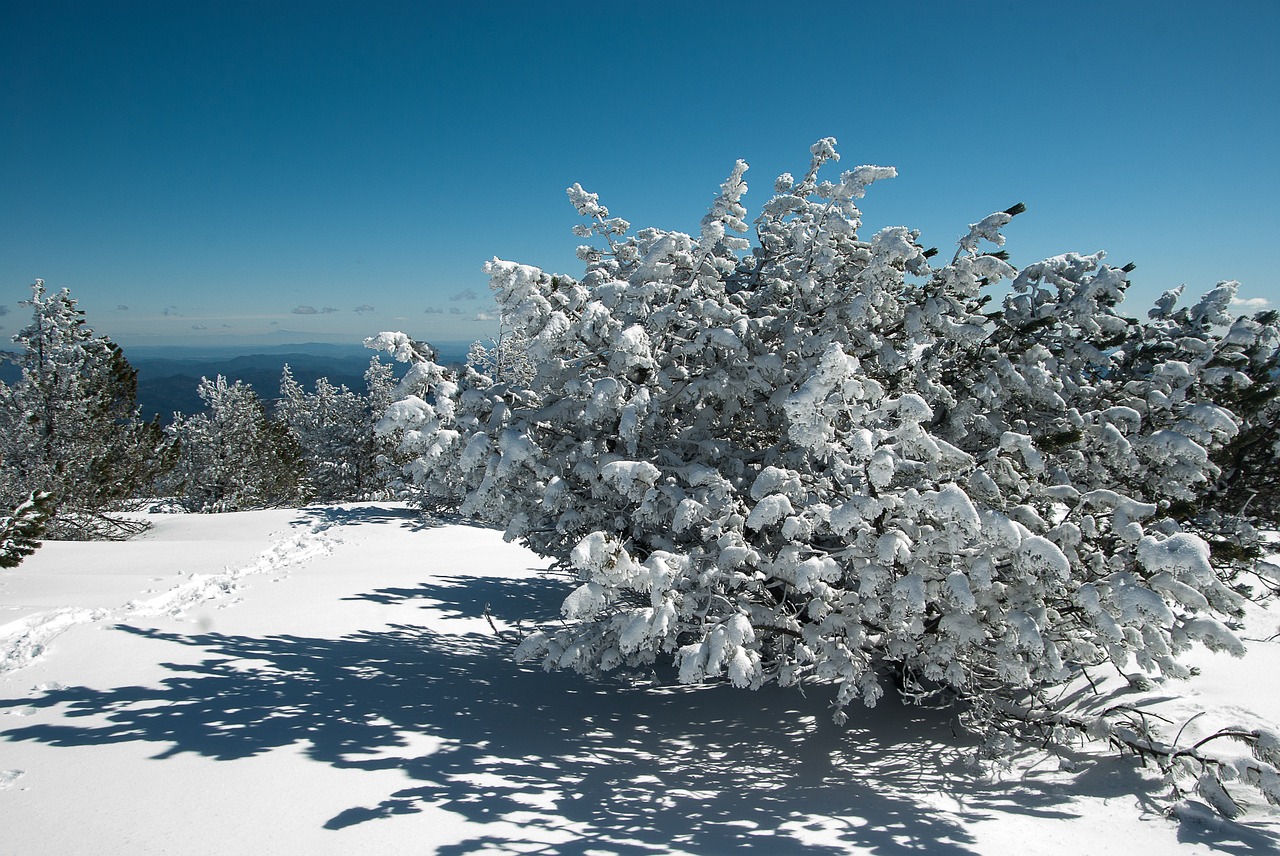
x=625 y=768
x=325 y=516
x=516 y=600
x=414 y=519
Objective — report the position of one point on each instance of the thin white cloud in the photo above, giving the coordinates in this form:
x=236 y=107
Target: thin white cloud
x=329 y=310
x=486 y=316
x=1250 y=304
x=363 y=308
x=433 y=310
x=465 y=294
x=304 y=310
x=198 y=327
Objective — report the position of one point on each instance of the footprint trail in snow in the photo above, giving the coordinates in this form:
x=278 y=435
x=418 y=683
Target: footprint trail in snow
x=24 y=641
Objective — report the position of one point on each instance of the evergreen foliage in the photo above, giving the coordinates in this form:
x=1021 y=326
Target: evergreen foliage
x=233 y=456
x=21 y=529
x=816 y=457
x=1249 y=483
x=70 y=426
x=333 y=428
x=505 y=358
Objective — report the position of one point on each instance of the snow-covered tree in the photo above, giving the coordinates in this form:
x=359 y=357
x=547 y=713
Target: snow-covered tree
x=233 y=456
x=20 y=530
x=504 y=358
x=421 y=422
x=70 y=426
x=818 y=457
x=1244 y=366
x=334 y=430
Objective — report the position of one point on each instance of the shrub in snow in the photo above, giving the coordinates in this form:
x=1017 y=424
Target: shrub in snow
x=817 y=456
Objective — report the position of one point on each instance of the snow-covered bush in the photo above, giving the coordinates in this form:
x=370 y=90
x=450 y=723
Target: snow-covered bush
x=818 y=457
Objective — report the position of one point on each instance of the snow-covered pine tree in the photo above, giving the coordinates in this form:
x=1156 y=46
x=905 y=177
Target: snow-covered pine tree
x=233 y=456
x=820 y=458
x=20 y=530
x=505 y=358
x=1244 y=367
x=70 y=426
x=435 y=409
x=388 y=463
x=334 y=430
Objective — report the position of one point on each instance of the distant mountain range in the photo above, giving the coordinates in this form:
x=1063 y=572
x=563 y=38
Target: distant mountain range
x=168 y=376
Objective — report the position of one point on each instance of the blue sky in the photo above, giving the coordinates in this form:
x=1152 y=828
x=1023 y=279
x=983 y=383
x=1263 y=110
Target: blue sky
x=219 y=168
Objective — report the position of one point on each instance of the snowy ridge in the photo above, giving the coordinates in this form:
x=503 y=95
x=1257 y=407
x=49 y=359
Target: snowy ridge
x=26 y=640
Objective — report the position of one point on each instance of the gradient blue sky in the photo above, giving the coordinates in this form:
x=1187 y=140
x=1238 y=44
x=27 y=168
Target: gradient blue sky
x=215 y=166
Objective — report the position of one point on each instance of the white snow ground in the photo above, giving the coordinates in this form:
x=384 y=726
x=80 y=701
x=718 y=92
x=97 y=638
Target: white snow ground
x=324 y=681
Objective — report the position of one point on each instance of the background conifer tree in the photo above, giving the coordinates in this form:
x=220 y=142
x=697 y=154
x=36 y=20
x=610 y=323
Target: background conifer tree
x=70 y=426
x=333 y=428
x=233 y=456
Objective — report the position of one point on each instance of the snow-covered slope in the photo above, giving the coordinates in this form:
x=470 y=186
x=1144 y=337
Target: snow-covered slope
x=325 y=681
